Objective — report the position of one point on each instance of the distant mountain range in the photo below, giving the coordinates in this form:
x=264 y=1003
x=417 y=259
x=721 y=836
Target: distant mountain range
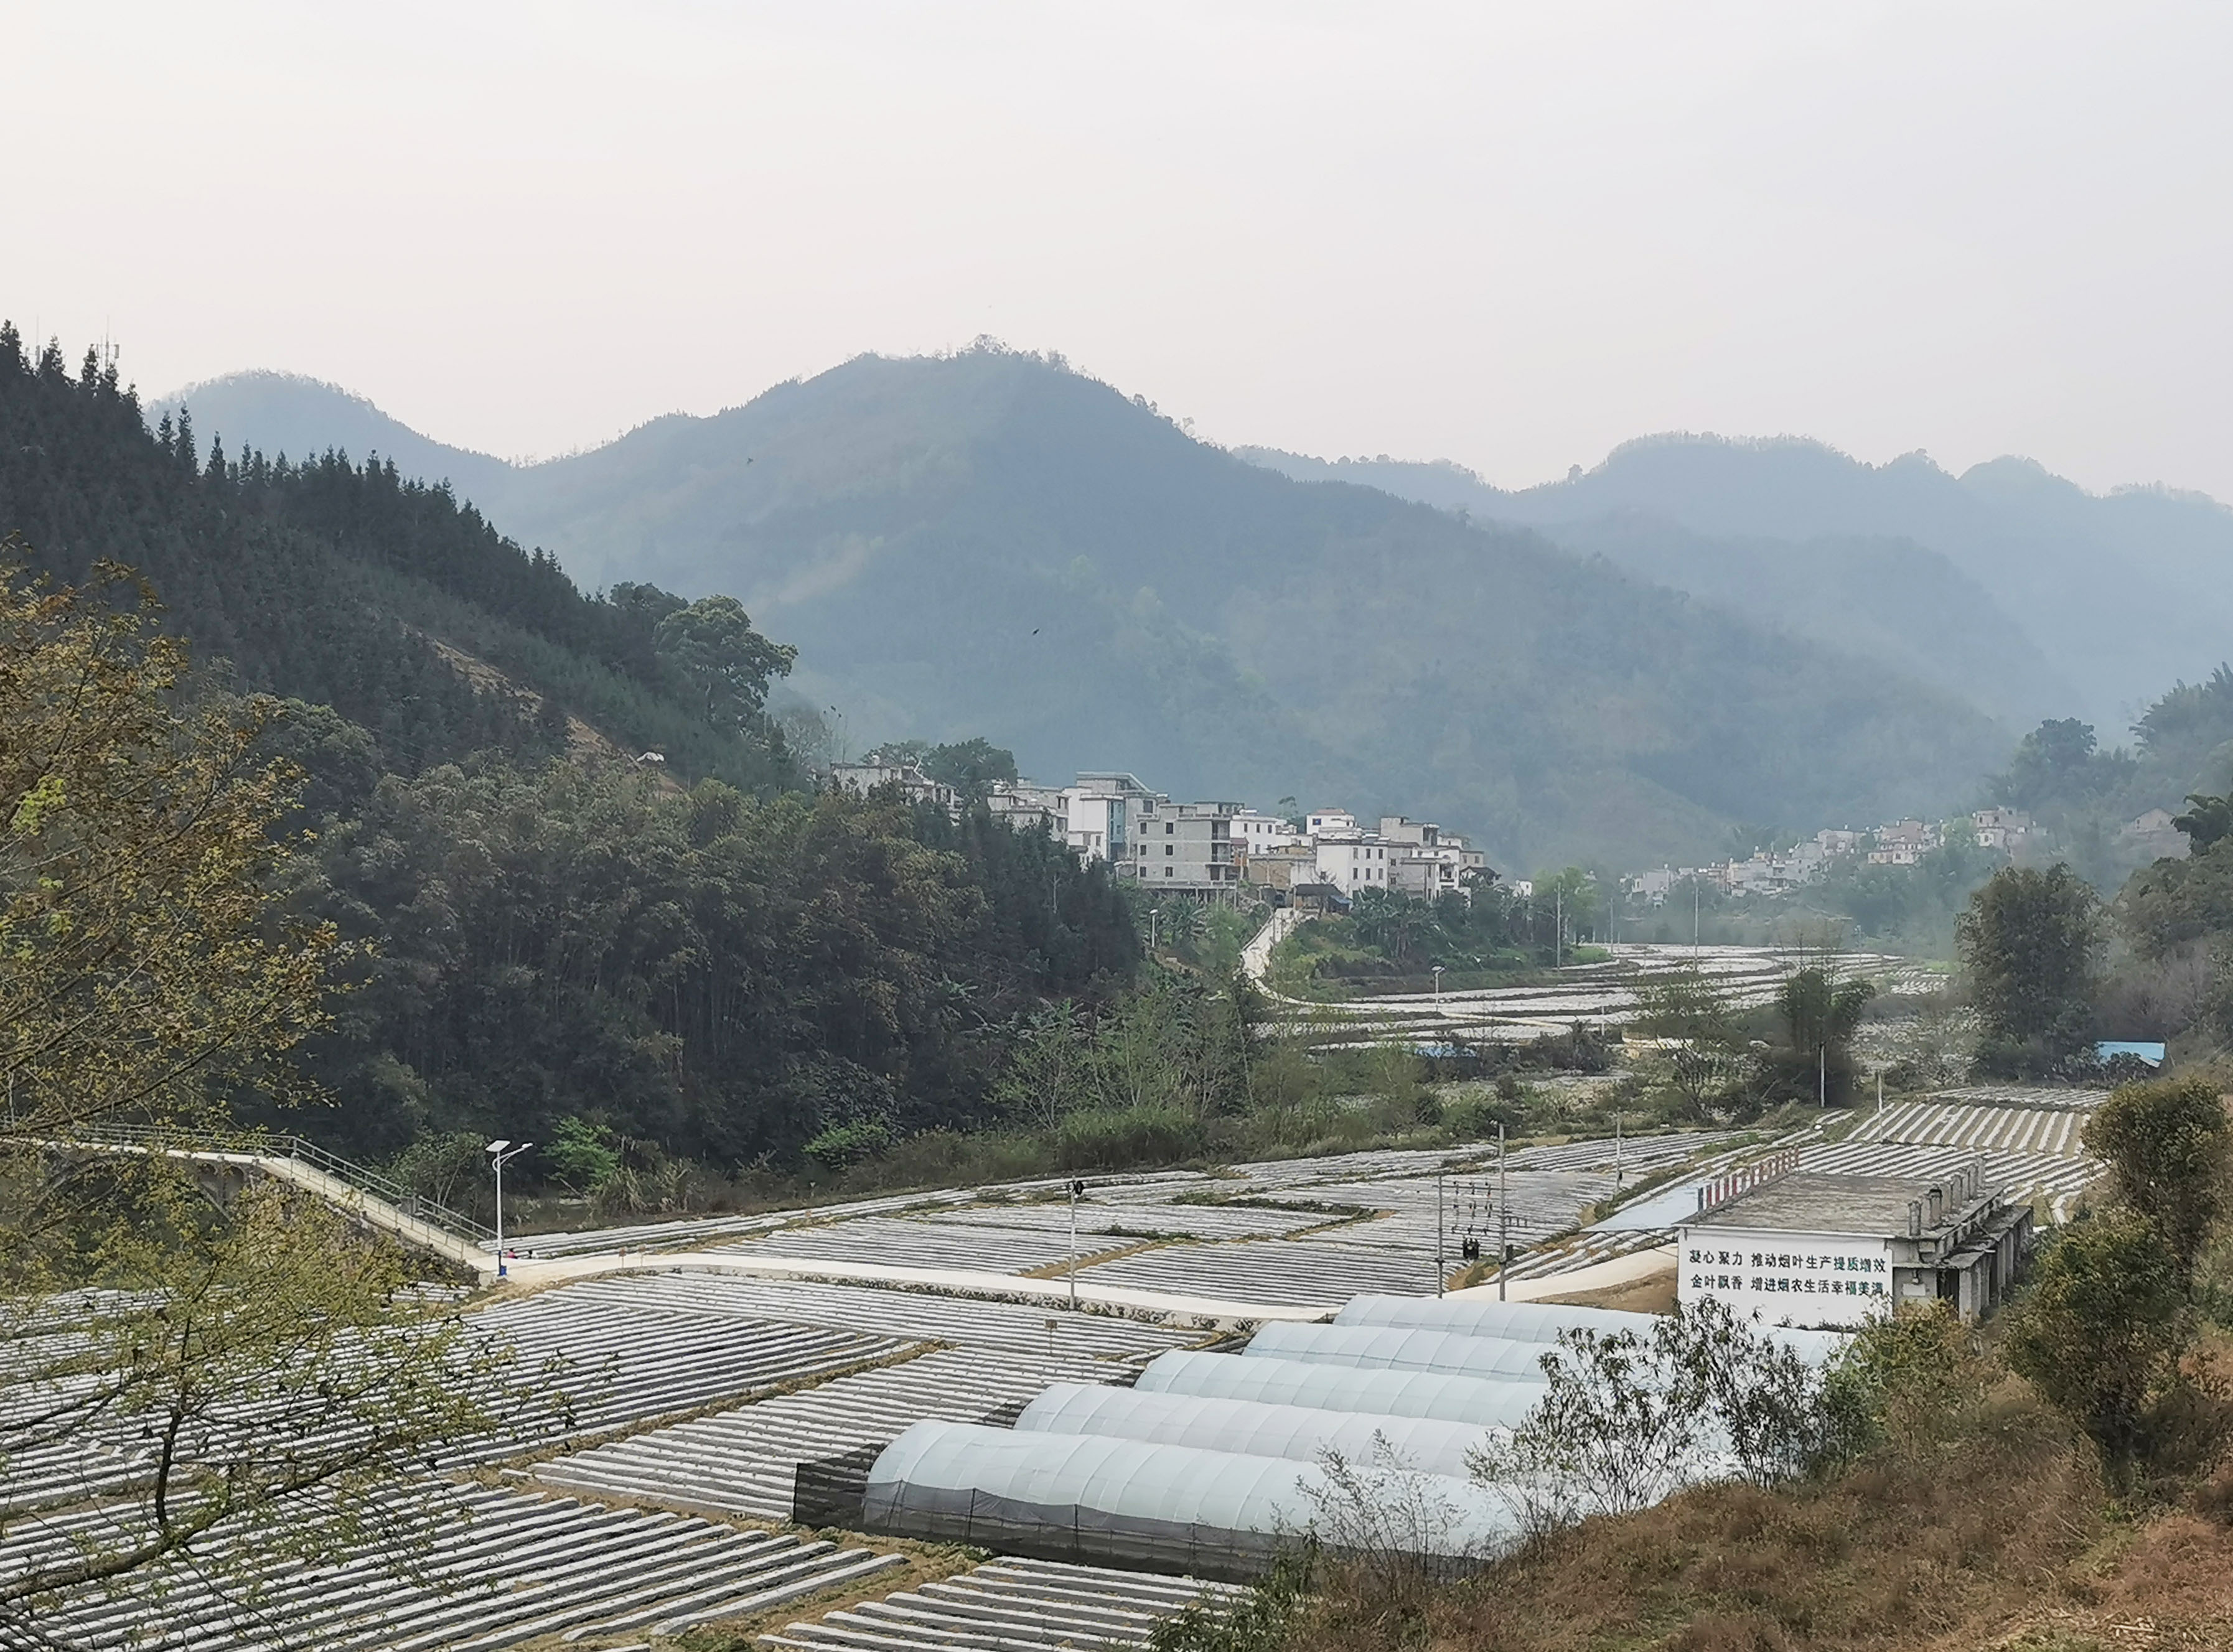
x=2012 y=588
x=989 y=543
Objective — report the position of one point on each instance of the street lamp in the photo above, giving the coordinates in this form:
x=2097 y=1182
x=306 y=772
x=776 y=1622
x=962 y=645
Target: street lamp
x=501 y=1153
x=1438 y=983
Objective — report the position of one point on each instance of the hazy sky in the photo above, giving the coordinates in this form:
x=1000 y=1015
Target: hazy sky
x=1510 y=234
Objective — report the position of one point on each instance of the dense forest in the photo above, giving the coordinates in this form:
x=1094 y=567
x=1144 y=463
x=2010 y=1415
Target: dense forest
x=731 y=978
x=344 y=585
x=555 y=934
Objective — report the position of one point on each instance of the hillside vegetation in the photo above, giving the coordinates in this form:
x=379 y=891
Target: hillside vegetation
x=690 y=960
x=346 y=586
x=989 y=542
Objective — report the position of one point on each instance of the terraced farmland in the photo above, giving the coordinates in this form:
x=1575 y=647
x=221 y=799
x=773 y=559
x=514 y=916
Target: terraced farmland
x=1991 y=1127
x=1009 y=1606
x=2030 y=1140
x=927 y=1244
x=1303 y=1273
x=920 y=1316
x=1586 y=1249
x=488 y=1569
x=746 y=1461
x=55 y=1474
x=619 y=1356
x=1636 y=1156
x=1132 y=1218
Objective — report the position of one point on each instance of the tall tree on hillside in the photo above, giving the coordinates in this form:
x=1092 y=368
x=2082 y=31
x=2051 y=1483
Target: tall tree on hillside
x=2207 y=819
x=1820 y=1016
x=2168 y=1144
x=254 y=1362
x=712 y=643
x=2100 y=1329
x=2106 y=1327
x=971 y=767
x=2031 y=940
x=2059 y=764
x=143 y=969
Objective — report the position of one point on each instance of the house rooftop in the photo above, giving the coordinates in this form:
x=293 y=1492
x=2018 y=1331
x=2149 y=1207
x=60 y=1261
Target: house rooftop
x=1805 y=1202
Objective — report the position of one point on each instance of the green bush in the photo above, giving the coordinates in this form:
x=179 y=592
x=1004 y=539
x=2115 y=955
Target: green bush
x=848 y=1144
x=2166 y=1143
x=2100 y=1333
x=582 y=1154
x=1106 y=1139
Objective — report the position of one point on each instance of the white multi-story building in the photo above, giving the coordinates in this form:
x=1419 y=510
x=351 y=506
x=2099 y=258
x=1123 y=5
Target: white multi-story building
x=1752 y=876
x=1198 y=847
x=1429 y=861
x=1352 y=860
x=1653 y=885
x=1185 y=848
x=1256 y=832
x=2154 y=836
x=1902 y=842
x=1098 y=813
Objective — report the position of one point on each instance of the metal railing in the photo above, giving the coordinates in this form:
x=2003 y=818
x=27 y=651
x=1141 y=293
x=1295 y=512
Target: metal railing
x=260 y=1145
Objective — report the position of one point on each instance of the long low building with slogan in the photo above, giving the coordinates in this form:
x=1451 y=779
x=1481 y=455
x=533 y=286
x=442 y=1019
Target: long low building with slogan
x=1801 y=1248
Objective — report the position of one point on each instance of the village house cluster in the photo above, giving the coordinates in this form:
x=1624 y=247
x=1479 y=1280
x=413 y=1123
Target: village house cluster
x=1209 y=850
x=1899 y=843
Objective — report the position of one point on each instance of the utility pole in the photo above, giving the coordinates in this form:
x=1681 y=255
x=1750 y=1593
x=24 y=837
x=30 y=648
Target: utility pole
x=1076 y=1188
x=1442 y=1263
x=1822 y=1075
x=1619 y=1176
x=1503 y=1218
x=1694 y=923
x=1557 y=928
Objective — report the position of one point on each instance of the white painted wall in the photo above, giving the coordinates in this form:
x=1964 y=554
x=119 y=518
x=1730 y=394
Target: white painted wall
x=1786 y=1278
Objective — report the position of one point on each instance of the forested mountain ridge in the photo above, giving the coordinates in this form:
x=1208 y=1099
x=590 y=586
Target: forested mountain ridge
x=737 y=971
x=346 y=586
x=284 y=413
x=2074 y=603
x=989 y=542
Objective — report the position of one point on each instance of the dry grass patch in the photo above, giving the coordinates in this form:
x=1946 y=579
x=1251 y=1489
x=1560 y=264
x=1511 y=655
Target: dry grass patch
x=1958 y=1547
